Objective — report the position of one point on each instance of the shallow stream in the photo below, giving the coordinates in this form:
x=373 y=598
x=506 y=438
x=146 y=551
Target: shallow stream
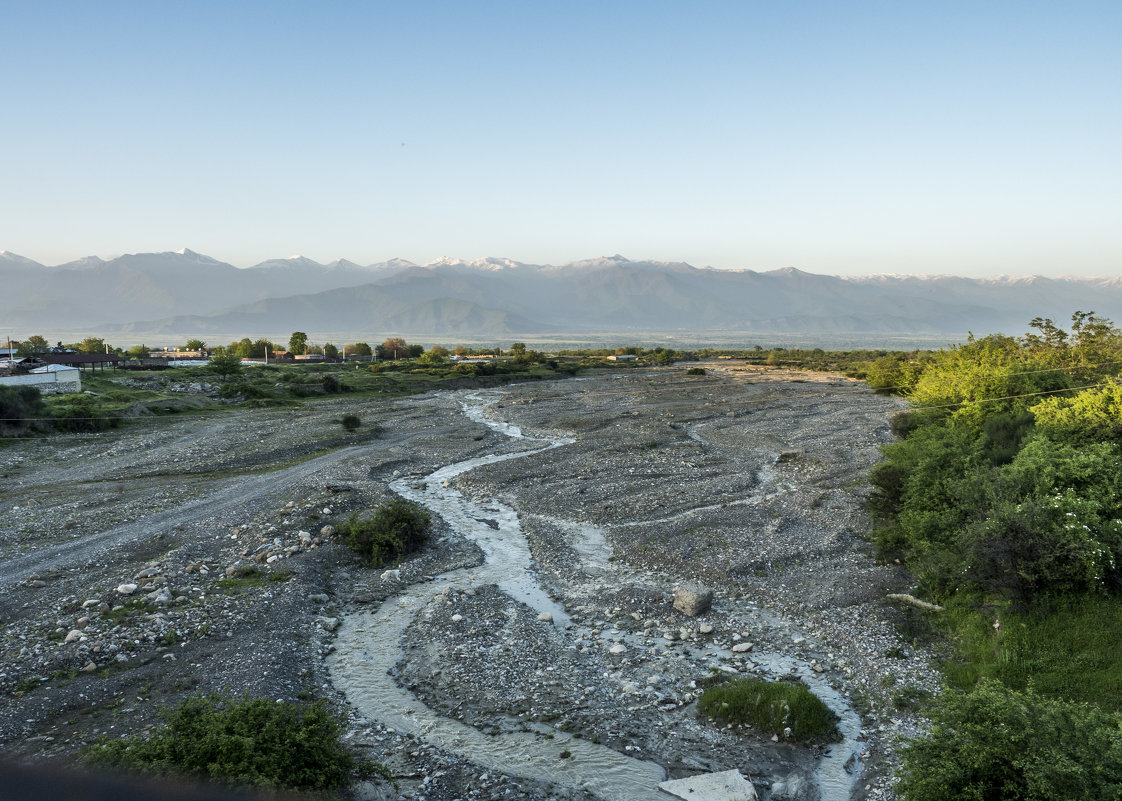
x=368 y=646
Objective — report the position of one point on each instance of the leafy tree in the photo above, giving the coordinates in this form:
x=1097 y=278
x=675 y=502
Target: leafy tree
x=359 y=349
x=433 y=357
x=393 y=348
x=297 y=343
x=461 y=351
x=994 y=744
x=1002 y=492
x=243 y=348
x=1050 y=344
x=519 y=354
x=91 y=345
x=262 y=348
x=32 y=345
x=894 y=374
x=195 y=344
x=1094 y=340
x=330 y=351
x=992 y=375
x=226 y=364
x=138 y=352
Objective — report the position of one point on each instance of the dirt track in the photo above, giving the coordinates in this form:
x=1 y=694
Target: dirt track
x=748 y=481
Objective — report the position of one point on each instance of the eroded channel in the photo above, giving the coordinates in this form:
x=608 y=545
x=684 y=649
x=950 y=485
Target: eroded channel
x=368 y=647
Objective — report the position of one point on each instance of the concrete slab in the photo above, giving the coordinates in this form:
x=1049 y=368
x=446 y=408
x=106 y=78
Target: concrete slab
x=727 y=785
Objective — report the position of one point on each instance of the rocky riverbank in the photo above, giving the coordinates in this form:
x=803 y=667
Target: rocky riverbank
x=170 y=558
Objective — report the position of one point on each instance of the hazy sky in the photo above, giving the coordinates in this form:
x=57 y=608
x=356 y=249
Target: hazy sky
x=837 y=137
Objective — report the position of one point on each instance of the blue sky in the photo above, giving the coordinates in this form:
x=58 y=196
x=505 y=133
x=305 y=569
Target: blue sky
x=839 y=138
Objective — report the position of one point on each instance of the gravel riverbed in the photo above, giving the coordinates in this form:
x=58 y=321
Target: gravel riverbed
x=192 y=555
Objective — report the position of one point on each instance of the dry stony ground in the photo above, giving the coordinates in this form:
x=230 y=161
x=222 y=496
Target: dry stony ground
x=191 y=555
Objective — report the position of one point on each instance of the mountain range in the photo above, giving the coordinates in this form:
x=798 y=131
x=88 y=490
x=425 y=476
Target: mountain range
x=176 y=295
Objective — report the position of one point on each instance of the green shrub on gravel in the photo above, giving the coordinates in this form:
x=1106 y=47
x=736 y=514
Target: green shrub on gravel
x=397 y=529
x=996 y=743
x=771 y=706
x=249 y=743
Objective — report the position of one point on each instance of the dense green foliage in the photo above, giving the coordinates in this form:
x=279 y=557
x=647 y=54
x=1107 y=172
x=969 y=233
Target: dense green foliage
x=225 y=364
x=1068 y=650
x=1004 y=498
x=80 y=413
x=256 y=743
x=995 y=743
x=1008 y=485
x=21 y=410
x=297 y=343
x=771 y=706
x=397 y=529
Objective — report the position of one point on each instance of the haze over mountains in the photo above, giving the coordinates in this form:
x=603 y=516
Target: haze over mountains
x=182 y=294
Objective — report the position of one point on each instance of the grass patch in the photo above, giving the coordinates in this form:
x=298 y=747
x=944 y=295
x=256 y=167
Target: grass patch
x=771 y=706
x=1069 y=651
x=910 y=698
x=396 y=530
x=248 y=576
x=26 y=684
x=248 y=743
x=122 y=613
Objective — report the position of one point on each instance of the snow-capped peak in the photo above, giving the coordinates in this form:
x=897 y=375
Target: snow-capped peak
x=15 y=258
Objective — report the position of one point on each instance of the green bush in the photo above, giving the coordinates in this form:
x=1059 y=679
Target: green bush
x=772 y=706
x=396 y=530
x=225 y=364
x=984 y=377
x=351 y=422
x=21 y=409
x=995 y=743
x=81 y=413
x=243 y=389
x=696 y=371
x=1094 y=415
x=330 y=383
x=252 y=742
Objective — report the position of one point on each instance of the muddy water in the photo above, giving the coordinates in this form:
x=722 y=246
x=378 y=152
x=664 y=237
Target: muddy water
x=368 y=646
